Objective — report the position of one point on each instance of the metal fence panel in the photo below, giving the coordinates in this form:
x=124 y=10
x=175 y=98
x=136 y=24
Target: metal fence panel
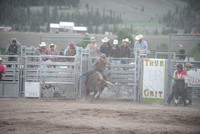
x=9 y=87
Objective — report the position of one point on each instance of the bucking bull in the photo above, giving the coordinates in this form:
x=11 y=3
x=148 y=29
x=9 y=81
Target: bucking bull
x=96 y=84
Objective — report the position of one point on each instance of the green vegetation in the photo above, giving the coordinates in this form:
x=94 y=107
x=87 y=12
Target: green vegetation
x=185 y=17
x=2 y=51
x=85 y=42
x=166 y=31
x=162 y=47
x=195 y=52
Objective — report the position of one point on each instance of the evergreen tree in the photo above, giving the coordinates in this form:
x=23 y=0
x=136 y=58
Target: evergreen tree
x=55 y=17
x=28 y=14
x=96 y=30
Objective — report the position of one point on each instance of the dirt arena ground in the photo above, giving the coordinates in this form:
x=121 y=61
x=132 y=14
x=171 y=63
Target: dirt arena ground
x=34 y=116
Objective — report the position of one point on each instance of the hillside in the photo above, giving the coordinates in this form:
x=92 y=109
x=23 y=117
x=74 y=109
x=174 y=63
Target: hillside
x=100 y=16
x=144 y=15
x=131 y=10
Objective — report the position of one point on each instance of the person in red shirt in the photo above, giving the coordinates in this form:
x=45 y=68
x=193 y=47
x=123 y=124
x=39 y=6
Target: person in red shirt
x=2 y=70
x=179 y=86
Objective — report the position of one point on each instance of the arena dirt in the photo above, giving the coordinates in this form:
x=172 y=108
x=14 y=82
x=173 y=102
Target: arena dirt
x=34 y=116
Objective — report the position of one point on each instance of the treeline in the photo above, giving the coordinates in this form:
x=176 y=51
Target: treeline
x=185 y=18
x=23 y=16
x=96 y=21
x=25 y=3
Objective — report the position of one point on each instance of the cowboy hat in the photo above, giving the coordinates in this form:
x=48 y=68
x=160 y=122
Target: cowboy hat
x=105 y=39
x=138 y=37
x=52 y=45
x=180 y=45
x=103 y=56
x=92 y=39
x=0 y=59
x=43 y=44
x=14 y=39
x=126 y=40
x=71 y=43
x=115 y=42
x=188 y=65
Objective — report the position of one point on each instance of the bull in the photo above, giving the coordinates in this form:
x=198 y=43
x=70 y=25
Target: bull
x=96 y=84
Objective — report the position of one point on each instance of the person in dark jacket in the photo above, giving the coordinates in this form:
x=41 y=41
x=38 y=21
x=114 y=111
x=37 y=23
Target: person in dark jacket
x=125 y=50
x=13 y=49
x=106 y=47
x=115 y=53
x=181 y=51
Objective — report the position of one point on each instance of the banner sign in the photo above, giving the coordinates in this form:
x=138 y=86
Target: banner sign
x=193 y=78
x=153 y=80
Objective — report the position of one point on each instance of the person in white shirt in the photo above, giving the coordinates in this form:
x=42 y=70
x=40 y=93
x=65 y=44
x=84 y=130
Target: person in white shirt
x=140 y=43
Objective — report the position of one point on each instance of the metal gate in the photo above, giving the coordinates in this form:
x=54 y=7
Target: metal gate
x=57 y=79
x=10 y=86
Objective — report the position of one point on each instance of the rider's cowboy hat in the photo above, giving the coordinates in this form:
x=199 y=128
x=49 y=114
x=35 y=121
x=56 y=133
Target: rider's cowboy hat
x=105 y=39
x=43 y=44
x=103 y=56
x=138 y=37
x=126 y=40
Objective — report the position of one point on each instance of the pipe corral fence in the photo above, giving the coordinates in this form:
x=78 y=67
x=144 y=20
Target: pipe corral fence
x=59 y=79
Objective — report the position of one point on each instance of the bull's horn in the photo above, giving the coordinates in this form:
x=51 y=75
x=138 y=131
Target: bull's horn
x=109 y=83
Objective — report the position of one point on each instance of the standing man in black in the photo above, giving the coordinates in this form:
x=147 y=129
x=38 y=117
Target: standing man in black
x=12 y=49
x=181 y=51
x=106 y=48
x=125 y=50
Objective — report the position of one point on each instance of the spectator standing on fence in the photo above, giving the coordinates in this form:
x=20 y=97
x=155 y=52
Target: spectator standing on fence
x=181 y=51
x=2 y=70
x=43 y=50
x=94 y=48
x=13 y=49
x=71 y=50
x=140 y=44
x=52 y=51
x=106 y=47
x=125 y=50
x=115 y=52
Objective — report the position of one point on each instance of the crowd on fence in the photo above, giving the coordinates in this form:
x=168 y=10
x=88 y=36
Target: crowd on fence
x=114 y=50
x=106 y=48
